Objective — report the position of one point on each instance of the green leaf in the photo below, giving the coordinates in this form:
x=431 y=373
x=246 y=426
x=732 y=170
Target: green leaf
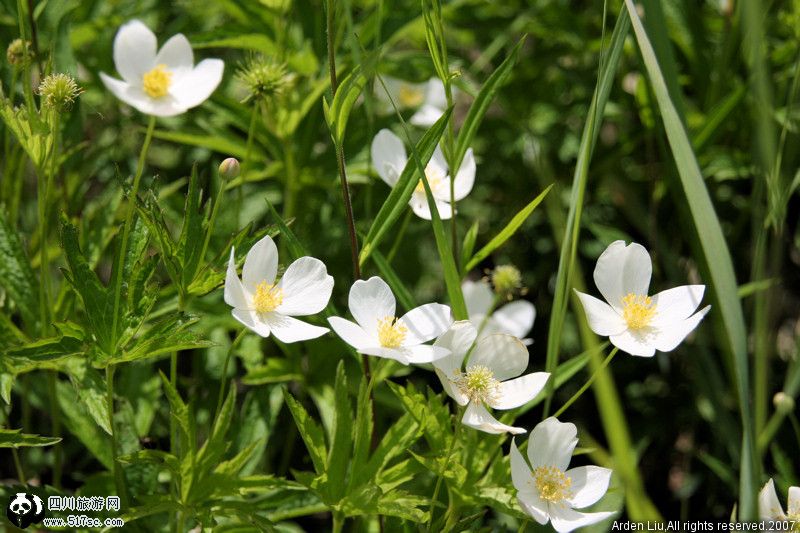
x=91 y=390
x=310 y=431
x=14 y=438
x=717 y=260
x=221 y=145
x=507 y=232
x=190 y=242
x=180 y=412
x=397 y=201
x=481 y=104
x=274 y=370
x=16 y=274
x=346 y=95
x=81 y=424
x=166 y=336
x=468 y=246
x=341 y=443
x=34 y=137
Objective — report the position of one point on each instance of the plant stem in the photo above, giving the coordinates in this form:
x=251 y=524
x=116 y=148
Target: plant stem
x=55 y=417
x=213 y=218
x=399 y=238
x=246 y=163
x=127 y=228
x=119 y=481
x=588 y=383
x=18 y=466
x=440 y=477
x=224 y=376
x=338 y=522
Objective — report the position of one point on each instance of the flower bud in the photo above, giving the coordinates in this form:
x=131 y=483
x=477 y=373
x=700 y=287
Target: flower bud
x=18 y=53
x=229 y=168
x=783 y=403
x=506 y=280
x=59 y=91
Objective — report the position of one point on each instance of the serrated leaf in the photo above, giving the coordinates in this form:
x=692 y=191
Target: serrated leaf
x=310 y=432
x=15 y=438
x=16 y=274
x=91 y=390
x=341 y=444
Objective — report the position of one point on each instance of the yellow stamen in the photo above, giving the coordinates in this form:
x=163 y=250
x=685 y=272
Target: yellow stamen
x=638 y=311
x=268 y=297
x=478 y=384
x=391 y=332
x=553 y=484
x=434 y=177
x=410 y=96
x=157 y=81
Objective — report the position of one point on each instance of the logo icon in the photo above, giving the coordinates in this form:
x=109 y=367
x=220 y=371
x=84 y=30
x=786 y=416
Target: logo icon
x=25 y=509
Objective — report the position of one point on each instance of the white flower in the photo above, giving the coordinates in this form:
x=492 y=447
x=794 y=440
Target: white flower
x=770 y=508
x=389 y=159
x=163 y=84
x=634 y=322
x=515 y=318
x=429 y=97
x=268 y=307
x=379 y=332
x=487 y=378
x=547 y=490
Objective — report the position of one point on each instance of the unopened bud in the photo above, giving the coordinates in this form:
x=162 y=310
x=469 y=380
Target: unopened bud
x=59 y=91
x=783 y=403
x=506 y=280
x=229 y=168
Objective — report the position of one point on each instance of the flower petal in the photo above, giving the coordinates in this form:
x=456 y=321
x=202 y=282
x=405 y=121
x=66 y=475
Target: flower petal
x=636 y=342
x=136 y=97
x=622 y=270
x=134 y=51
x=426 y=116
x=602 y=318
x=195 y=86
x=426 y=322
x=465 y=177
x=670 y=336
x=306 y=287
x=674 y=305
x=449 y=385
x=477 y=417
x=532 y=504
x=794 y=501
x=424 y=353
x=478 y=296
x=503 y=354
x=552 y=443
x=565 y=519
x=520 y=471
x=519 y=391
x=515 y=318
x=351 y=333
x=176 y=54
x=437 y=164
x=769 y=506
x=400 y=355
x=234 y=292
x=388 y=156
x=419 y=204
x=288 y=329
x=435 y=94
x=370 y=301
x=458 y=339
x=261 y=264
x=589 y=484
x=252 y=321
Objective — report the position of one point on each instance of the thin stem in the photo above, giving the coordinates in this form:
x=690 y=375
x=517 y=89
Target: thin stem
x=18 y=466
x=331 y=50
x=251 y=129
x=128 y=219
x=213 y=218
x=588 y=383
x=399 y=238
x=439 y=477
x=338 y=522
x=224 y=376
x=119 y=481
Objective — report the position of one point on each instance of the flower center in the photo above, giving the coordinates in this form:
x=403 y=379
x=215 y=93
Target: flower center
x=410 y=96
x=434 y=177
x=553 y=484
x=267 y=297
x=478 y=384
x=637 y=310
x=391 y=332
x=794 y=517
x=157 y=81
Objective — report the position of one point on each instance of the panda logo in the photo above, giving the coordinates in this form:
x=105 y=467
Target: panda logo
x=25 y=509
